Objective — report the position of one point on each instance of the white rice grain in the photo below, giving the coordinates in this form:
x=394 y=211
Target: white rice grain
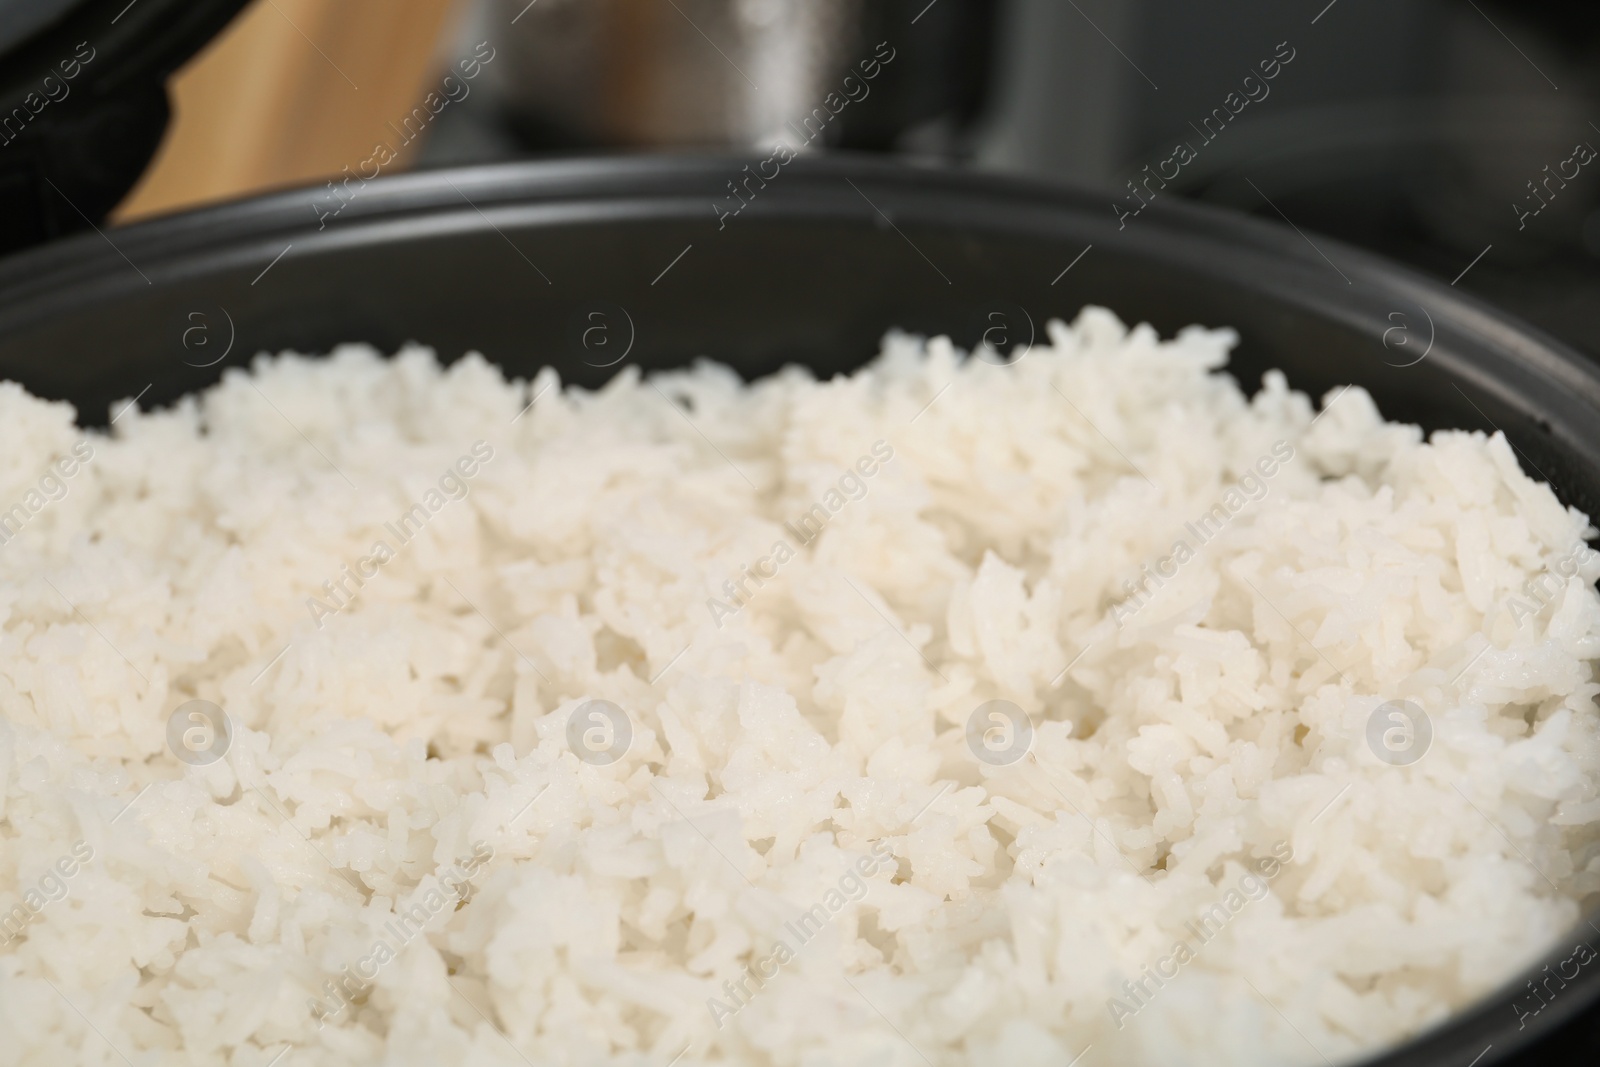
x=799 y=771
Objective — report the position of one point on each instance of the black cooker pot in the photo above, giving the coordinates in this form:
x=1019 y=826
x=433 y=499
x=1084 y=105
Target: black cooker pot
x=524 y=262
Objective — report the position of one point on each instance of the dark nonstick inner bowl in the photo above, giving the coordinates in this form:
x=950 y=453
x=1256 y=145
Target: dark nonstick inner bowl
x=516 y=261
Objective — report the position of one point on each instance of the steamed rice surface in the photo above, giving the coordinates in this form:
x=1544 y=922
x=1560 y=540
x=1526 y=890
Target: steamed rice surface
x=791 y=737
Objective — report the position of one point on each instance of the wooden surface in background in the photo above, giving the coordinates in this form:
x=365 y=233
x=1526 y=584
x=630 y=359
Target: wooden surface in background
x=292 y=91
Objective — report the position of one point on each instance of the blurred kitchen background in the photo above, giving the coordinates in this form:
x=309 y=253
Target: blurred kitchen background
x=1444 y=134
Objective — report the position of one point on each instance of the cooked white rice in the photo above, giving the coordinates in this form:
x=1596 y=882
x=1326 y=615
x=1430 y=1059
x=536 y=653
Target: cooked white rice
x=1211 y=724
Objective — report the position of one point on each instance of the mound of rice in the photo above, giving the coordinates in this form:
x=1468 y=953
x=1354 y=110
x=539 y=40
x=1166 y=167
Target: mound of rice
x=798 y=769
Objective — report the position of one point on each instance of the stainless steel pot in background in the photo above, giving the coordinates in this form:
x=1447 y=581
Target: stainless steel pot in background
x=693 y=72
x=653 y=74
